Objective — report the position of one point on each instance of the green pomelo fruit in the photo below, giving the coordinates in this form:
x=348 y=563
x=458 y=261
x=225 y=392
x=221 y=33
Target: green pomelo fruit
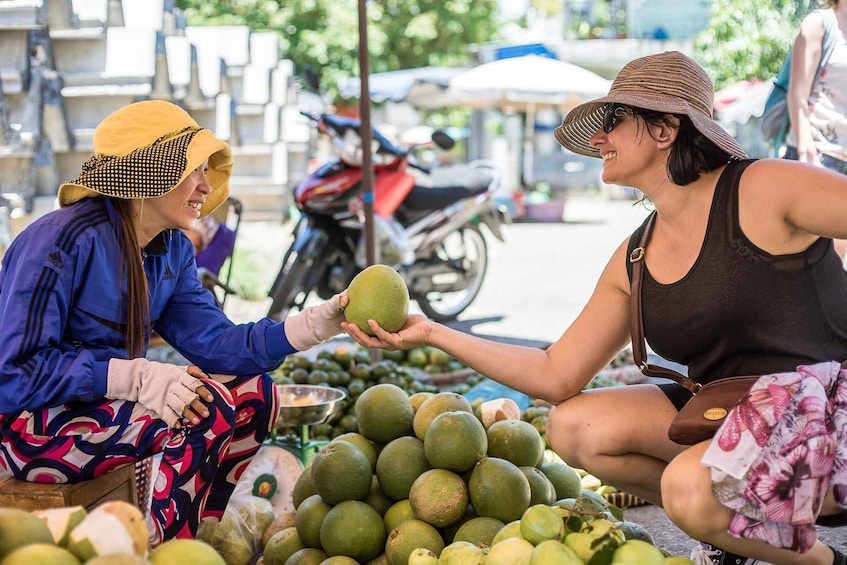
x=590 y=501
x=19 y=528
x=565 y=479
x=377 y=293
x=589 y=546
x=541 y=489
x=377 y=499
x=303 y=488
x=455 y=441
x=281 y=522
x=363 y=443
x=439 y=497
x=479 y=530
x=468 y=556
x=37 y=553
x=602 y=527
x=516 y=441
x=309 y=519
x=411 y=535
x=423 y=556
x=552 y=552
x=638 y=552
x=541 y=523
x=399 y=512
x=179 y=551
x=384 y=413
x=340 y=471
x=399 y=463
x=451 y=549
x=339 y=560
x=419 y=398
x=282 y=545
x=436 y=405
x=512 y=551
x=354 y=529
x=307 y=556
x=499 y=489
x=510 y=530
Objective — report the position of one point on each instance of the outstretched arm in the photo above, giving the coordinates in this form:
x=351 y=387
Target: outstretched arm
x=599 y=332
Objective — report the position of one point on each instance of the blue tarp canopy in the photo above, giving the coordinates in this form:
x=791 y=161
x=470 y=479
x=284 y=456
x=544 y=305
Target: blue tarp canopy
x=424 y=88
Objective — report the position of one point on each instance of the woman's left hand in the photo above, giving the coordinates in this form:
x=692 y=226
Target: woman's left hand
x=195 y=411
x=414 y=333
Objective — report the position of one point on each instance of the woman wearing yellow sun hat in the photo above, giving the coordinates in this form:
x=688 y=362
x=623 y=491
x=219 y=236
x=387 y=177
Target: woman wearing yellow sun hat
x=82 y=288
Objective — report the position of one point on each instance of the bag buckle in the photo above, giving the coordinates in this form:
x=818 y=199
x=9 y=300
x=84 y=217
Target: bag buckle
x=636 y=255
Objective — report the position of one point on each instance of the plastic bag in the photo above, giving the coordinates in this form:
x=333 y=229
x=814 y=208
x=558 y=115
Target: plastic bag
x=238 y=536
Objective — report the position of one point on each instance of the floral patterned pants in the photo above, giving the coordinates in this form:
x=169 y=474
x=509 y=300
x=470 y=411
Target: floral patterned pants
x=200 y=466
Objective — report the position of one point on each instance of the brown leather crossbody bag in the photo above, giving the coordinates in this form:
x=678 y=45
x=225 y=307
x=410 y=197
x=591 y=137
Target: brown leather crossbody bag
x=701 y=416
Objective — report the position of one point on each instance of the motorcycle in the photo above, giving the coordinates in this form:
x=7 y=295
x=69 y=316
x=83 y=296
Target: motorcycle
x=426 y=220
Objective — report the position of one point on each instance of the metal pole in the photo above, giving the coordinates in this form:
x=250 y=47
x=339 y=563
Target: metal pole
x=365 y=117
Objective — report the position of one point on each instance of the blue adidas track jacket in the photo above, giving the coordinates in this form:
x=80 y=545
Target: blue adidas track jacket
x=62 y=296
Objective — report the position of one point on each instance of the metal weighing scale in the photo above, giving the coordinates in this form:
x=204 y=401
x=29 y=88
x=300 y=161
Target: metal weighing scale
x=301 y=406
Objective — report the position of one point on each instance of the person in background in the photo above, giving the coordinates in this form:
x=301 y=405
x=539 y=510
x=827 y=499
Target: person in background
x=740 y=279
x=817 y=105
x=81 y=289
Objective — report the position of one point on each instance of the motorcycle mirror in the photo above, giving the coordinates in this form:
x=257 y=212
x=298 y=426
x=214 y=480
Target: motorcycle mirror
x=443 y=140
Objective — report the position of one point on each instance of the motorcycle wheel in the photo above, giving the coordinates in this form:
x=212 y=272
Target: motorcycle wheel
x=292 y=289
x=466 y=252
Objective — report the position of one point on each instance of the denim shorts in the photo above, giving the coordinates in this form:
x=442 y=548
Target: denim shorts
x=827 y=161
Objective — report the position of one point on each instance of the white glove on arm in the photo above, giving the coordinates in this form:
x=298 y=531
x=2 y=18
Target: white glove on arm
x=315 y=324
x=160 y=387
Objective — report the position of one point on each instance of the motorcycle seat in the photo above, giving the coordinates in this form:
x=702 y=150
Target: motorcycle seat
x=445 y=186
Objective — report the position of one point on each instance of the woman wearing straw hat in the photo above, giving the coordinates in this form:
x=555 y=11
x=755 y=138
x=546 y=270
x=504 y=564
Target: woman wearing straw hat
x=81 y=289
x=741 y=279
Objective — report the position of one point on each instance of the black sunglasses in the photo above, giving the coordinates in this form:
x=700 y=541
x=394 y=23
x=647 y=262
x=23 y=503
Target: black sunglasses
x=612 y=113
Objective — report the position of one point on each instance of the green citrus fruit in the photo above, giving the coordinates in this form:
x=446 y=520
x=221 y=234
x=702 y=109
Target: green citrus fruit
x=407 y=537
x=19 y=528
x=565 y=479
x=308 y=519
x=384 y=413
x=516 y=441
x=377 y=293
x=354 y=529
x=541 y=523
x=438 y=404
x=510 y=551
x=399 y=464
x=499 y=489
x=439 y=497
x=340 y=471
x=541 y=489
x=397 y=513
x=282 y=545
x=455 y=441
x=303 y=488
x=363 y=443
x=479 y=530
x=307 y=556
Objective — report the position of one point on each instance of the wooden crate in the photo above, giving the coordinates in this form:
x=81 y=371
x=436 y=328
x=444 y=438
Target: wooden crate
x=116 y=485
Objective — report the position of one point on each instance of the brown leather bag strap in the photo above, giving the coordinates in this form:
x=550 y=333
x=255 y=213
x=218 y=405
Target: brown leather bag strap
x=639 y=344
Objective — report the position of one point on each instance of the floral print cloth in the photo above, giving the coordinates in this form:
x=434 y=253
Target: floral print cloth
x=778 y=453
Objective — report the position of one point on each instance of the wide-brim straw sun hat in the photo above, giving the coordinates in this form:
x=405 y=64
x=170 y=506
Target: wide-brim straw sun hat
x=145 y=150
x=665 y=82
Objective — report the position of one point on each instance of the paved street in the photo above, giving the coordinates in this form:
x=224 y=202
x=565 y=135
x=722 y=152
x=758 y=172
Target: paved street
x=536 y=285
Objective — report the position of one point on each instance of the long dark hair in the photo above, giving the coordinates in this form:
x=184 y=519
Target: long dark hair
x=692 y=153
x=138 y=302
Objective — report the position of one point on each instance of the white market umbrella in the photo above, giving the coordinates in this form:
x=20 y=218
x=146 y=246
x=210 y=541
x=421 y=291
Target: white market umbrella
x=525 y=84
x=532 y=79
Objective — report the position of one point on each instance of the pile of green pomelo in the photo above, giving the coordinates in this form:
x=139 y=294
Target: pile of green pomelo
x=425 y=480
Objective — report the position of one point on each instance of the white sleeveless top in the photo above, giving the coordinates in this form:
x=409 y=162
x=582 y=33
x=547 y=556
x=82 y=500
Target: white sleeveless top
x=828 y=102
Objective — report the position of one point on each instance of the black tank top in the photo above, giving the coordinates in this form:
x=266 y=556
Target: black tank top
x=741 y=310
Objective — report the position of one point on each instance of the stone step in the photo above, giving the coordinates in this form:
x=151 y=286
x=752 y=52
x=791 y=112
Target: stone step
x=22 y=14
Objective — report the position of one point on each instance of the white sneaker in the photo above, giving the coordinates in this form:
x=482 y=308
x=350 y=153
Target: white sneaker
x=707 y=554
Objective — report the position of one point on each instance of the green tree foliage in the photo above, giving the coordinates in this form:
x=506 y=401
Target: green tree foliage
x=749 y=38
x=324 y=34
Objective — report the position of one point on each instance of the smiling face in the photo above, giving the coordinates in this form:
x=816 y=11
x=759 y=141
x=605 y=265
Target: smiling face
x=179 y=208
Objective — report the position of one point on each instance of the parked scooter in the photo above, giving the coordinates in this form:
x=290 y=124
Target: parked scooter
x=427 y=224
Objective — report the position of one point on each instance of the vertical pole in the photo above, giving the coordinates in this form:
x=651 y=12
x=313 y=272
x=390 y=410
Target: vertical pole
x=365 y=117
